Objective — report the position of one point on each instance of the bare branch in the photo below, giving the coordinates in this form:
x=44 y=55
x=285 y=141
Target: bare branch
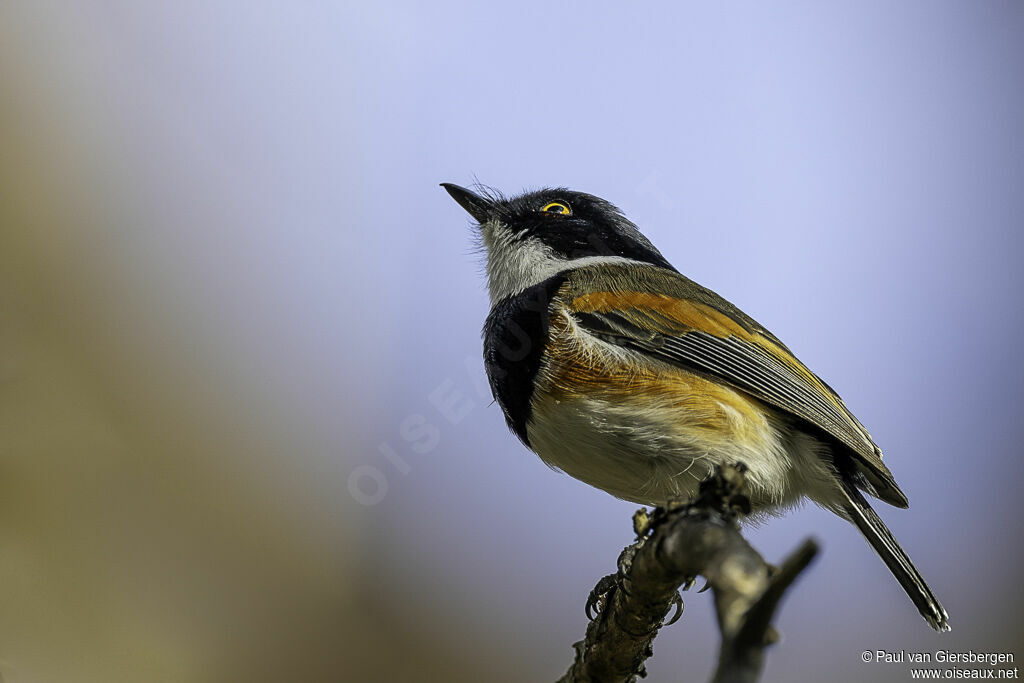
x=675 y=546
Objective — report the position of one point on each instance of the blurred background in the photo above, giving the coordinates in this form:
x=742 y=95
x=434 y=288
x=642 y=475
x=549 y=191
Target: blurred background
x=244 y=431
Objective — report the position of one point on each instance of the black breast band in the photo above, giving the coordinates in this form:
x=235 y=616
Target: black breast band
x=515 y=335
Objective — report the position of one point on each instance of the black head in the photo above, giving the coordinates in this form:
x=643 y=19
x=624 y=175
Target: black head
x=573 y=224
x=537 y=234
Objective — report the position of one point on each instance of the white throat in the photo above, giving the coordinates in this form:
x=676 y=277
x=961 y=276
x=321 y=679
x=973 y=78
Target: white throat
x=514 y=266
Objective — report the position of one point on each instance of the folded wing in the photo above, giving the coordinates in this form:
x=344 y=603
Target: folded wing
x=668 y=317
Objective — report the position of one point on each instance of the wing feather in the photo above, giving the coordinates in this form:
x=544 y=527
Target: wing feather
x=667 y=317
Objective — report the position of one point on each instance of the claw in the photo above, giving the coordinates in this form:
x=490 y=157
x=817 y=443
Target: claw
x=688 y=583
x=591 y=608
x=707 y=585
x=678 y=602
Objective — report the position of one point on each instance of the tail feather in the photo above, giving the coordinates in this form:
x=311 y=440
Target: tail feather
x=882 y=540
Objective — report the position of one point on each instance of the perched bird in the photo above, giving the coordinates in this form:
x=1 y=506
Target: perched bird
x=618 y=370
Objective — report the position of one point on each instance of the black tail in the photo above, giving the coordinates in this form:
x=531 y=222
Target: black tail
x=881 y=539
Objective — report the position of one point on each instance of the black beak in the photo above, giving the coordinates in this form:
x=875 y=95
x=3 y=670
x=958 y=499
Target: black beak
x=478 y=207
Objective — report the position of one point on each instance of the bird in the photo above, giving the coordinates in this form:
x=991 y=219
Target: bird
x=620 y=371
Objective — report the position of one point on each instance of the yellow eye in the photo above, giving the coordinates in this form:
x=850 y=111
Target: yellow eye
x=557 y=207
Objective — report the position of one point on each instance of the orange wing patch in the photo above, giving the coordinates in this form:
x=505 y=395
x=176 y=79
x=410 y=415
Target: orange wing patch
x=687 y=313
x=714 y=410
x=691 y=315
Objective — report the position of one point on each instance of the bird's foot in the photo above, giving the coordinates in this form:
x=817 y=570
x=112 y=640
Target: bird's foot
x=601 y=595
x=607 y=585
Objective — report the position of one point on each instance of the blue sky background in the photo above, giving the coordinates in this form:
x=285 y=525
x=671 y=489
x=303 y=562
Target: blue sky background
x=226 y=218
